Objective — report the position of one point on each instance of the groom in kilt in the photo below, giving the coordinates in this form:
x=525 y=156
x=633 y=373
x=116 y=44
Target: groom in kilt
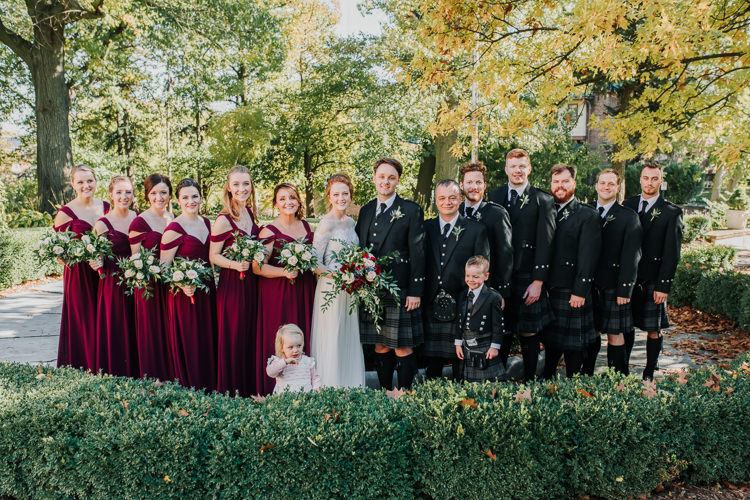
x=451 y=241
x=575 y=252
x=393 y=225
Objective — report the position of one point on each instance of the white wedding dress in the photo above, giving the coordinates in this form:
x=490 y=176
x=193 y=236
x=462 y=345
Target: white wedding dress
x=335 y=332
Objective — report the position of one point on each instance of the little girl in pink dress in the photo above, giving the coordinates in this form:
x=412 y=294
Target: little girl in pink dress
x=290 y=367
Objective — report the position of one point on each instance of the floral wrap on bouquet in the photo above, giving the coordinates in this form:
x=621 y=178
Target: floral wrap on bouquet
x=361 y=275
x=187 y=273
x=92 y=246
x=297 y=256
x=245 y=248
x=140 y=271
x=59 y=245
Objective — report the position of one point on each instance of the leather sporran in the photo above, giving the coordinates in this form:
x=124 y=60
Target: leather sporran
x=444 y=307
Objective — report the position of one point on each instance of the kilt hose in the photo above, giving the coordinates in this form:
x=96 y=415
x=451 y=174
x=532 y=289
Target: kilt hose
x=608 y=316
x=398 y=327
x=647 y=315
x=572 y=329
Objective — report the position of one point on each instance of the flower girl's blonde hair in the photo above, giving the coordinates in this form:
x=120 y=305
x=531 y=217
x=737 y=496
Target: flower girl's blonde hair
x=291 y=330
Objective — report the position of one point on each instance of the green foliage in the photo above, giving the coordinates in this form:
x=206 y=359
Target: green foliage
x=18 y=257
x=739 y=200
x=684 y=181
x=696 y=226
x=717 y=211
x=26 y=217
x=70 y=434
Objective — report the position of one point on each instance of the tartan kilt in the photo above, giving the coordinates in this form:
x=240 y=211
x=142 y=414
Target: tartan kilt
x=439 y=336
x=520 y=318
x=398 y=327
x=495 y=369
x=572 y=329
x=608 y=316
x=647 y=315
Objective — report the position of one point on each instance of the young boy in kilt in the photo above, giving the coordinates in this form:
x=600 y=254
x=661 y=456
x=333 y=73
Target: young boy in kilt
x=662 y=225
x=616 y=273
x=479 y=329
x=575 y=251
x=451 y=240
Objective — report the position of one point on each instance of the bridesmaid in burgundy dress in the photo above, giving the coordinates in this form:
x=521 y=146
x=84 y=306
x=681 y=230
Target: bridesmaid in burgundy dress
x=280 y=301
x=154 y=356
x=236 y=298
x=80 y=283
x=191 y=327
x=115 y=333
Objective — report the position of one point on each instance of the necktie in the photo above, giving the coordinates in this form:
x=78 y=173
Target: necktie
x=446 y=230
x=470 y=303
x=644 y=204
x=383 y=208
x=601 y=211
x=513 y=197
x=469 y=211
x=557 y=207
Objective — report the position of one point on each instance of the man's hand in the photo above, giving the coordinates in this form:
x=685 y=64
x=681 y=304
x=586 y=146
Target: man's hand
x=492 y=352
x=533 y=292
x=412 y=303
x=659 y=297
x=576 y=301
x=459 y=352
x=502 y=303
x=621 y=301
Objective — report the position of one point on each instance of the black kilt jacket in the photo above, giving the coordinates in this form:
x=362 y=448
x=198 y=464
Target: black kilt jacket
x=486 y=316
x=496 y=220
x=575 y=249
x=532 y=218
x=399 y=229
x=621 y=250
x=662 y=241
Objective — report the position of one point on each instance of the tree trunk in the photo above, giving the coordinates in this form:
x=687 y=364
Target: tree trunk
x=53 y=149
x=721 y=172
x=307 y=161
x=446 y=165
x=422 y=190
x=128 y=143
x=625 y=95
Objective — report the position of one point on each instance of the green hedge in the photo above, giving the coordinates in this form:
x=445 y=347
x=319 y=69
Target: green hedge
x=706 y=280
x=68 y=434
x=18 y=258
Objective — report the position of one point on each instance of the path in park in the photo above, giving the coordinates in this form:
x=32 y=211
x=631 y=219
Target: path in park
x=30 y=322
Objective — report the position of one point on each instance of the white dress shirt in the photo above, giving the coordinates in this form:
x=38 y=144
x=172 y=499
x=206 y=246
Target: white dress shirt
x=387 y=202
x=519 y=191
x=651 y=202
x=450 y=223
x=606 y=207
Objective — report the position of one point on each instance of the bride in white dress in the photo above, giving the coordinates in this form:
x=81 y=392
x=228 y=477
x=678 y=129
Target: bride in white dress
x=335 y=332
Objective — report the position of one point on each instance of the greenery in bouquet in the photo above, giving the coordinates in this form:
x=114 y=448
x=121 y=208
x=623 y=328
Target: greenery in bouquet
x=139 y=272
x=361 y=275
x=187 y=273
x=92 y=246
x=246 y=248
x=298 y=256
x=58 y=245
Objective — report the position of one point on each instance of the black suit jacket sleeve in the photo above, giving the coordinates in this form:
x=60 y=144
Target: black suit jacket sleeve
x=498 y=327
x=481 y=244
x=503 y=253
x=416 y=253
x=545 y=233
x=589 y=248
x=671 y=256
x=629 y=258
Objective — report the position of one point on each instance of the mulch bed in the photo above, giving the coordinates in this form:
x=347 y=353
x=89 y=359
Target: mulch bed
x=719 y=339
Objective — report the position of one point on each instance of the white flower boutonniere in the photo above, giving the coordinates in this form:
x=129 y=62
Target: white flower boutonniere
x=656 y=213
x=524 y=199
x=565 y=214
x=396 y=214
x=457 y=230
x=609 y=219
x=477 y=216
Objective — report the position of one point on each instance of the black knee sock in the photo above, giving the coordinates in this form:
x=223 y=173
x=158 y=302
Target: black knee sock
x=434 y=368
x=653 y=348
x=530 y=353
x=616 y=357
x=551 y=360
x=456 y=366
x=629 y=342
x=505 y=348
x=407 y=369
x=589 y=362
x=574 y=362
x=384 y=363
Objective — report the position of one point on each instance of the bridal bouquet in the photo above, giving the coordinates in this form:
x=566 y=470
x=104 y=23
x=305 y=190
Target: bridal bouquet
x=57 y=246
x=298 y=256
x=92 y=246
x=185 y=272
x=361 y=275
x=139 y=272
x=245 y=248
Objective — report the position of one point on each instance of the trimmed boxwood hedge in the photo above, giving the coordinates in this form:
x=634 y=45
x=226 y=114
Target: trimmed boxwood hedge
x=18 y=258
x=69 y=434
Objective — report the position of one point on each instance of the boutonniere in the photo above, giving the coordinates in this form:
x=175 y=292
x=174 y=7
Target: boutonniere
x=457 y=230
x=565 y=214
x=656 y=213
x=396 y=214
x=524 y=199
x=608 y=219
x=477 y=216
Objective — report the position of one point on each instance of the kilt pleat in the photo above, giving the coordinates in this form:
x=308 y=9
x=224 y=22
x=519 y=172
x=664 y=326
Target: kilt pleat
x=398 y=327
x=519 y=317
x=647 y=315
x=494 y=370
x=608 y=316
x=572 y=329
x=438 y=336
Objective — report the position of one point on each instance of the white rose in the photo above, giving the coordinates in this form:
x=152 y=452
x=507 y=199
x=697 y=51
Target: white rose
x=234 y=247
x=85 y=239
x=46 y=241
x=138 y=264
x=369 y=263
x=306 y=256
x=178 y=276
x=349 y=278
x=139 y=276
x=154 y=269
x=246 y=252
x=371 y=275
x=135 y=256
x=129 y=273
x=260 y=256
x=150 y=260
x=299 y=247
x=90 y=248
x=292 y=261
x=78 y=251
x=58 y=250
x=191 y=274
x=286 y=253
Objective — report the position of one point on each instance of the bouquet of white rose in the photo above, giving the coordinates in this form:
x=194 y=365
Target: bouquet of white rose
x=57 y=246
x=298 y=256
x=361 y=275
x=139 y=272
x=245 y=248
x=186 y=272
x=92 y=246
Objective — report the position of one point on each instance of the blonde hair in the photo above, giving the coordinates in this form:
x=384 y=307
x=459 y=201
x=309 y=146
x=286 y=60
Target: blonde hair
x=230 y=208
x=479 y=261
x=81 y=168
x=115 y=180
x=288 y=329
